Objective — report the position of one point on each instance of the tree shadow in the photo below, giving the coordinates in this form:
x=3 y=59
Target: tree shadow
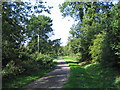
x=102 y=77
x=73 y=62
x=91 y=76
x=73 y=65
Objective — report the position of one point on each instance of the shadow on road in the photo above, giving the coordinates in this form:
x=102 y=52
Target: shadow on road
x=55 y=79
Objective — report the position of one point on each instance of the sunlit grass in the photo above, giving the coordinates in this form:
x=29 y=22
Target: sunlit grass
x=91 y=76
x=22 y=80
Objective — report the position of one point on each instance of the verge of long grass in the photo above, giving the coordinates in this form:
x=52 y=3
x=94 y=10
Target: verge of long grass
x=91 y=76
x=24 y=79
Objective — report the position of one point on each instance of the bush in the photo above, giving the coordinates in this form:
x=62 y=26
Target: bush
x=24 y=56
x=41 y=59
x=97 y=47
x=78 y=56
x=28 y=63
x=12 y=69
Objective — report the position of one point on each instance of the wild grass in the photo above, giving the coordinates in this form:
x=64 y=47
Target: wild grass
x=91 y=76
x=25 y=78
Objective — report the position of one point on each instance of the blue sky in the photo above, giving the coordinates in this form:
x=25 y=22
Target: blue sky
x=61 y=25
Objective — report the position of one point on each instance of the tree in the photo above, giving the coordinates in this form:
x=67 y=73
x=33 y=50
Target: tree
x=40 y=30
x=15 y=16
x=95 y=37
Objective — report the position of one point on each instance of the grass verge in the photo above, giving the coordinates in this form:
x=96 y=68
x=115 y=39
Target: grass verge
x=24 y=79
x=91 y=76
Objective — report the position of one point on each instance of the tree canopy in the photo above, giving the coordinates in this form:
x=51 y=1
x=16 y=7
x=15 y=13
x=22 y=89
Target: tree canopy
x=25 y=37
x=96 y=35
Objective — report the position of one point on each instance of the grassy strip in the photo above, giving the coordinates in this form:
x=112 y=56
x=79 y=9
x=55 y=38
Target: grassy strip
x=91 y=76
x=22 y=80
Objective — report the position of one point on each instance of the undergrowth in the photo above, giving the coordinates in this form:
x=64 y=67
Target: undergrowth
x=91 y=75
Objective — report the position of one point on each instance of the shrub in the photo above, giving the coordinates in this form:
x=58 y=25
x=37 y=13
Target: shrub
x=30 y=65
x=12 y=69
x=41 y=59
x=96 y=48
x=24 y=55
x=78 y=56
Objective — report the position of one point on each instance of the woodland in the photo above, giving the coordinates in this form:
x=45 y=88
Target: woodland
x=94 y=39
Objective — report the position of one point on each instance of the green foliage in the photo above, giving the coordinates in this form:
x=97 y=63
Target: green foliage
x=41 y=59
x=39 y=32
x=26 y=78
x=96 y=48
x=20 y=25
x=96 y=36
x=12 y=69
x=35 y=62
x=91 y=76
x=78 y=56
x=24 y=56
x=30 y=65
x=15 y=32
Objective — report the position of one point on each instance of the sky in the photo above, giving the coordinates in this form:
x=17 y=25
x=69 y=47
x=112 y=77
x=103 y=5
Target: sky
x=61 y=25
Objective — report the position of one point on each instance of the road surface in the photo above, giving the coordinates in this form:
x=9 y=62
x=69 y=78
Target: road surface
x=55 y=79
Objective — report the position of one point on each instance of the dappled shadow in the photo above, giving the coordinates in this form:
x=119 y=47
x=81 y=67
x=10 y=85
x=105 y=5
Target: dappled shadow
x=99 y=77
x=91 y=76
x=73 y=62
x=73 y=65
x=61 y=62
x=105 y=76
x=55 y=79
